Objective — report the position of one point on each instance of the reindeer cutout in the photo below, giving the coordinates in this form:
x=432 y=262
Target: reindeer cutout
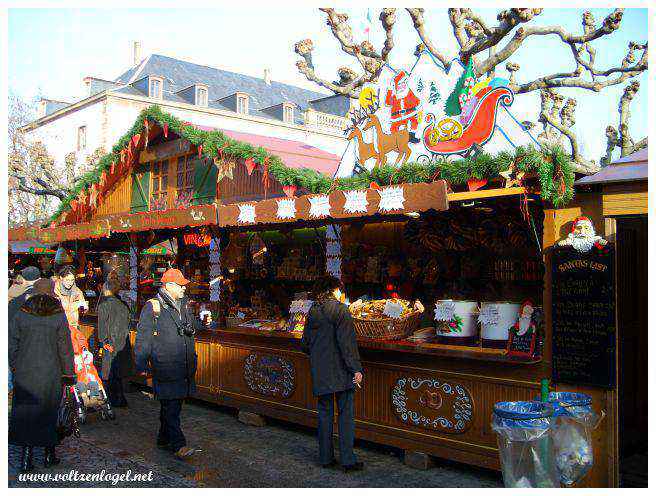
x=397 y=142
x=365 y=150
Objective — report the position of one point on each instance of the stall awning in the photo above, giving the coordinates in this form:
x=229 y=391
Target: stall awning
x=33 y=247
x=174 y=218
x=339 y=205
x=626 y=169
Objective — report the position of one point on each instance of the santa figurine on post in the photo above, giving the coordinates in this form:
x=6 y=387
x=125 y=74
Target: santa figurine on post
x=404 y=106
x=583 y=237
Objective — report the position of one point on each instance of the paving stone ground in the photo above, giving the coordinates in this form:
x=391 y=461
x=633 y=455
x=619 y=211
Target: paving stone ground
x=233 y=455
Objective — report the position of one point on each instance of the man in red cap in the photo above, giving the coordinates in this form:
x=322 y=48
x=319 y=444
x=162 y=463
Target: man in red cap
x=405 y=106
x=165 y=348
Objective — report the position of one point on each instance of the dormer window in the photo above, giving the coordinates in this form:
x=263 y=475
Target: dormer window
x=201 y=96
x=242 y=103
x=288 y=113
x=155 y=85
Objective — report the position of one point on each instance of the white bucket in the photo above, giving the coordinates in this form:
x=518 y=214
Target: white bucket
x=466 y=312
x=496 y=320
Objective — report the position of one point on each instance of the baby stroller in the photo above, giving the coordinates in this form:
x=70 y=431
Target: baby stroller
x=88 y=392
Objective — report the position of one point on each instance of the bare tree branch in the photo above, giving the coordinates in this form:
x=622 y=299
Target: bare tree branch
x=417 y=16
x=369 y=59
x=621 y=137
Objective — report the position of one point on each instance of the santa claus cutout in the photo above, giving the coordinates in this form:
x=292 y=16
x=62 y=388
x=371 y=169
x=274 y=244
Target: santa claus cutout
x=583 y=237
x=404 y=106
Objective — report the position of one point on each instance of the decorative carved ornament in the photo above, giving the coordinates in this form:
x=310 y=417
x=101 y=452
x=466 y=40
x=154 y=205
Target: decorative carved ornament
x=433 y=404
x=270 y=375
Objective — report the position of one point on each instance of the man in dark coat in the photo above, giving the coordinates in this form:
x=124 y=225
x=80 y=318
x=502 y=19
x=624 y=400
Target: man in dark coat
x=165 y=348
x=41 y=358
x=329 y=339
x=113 y=330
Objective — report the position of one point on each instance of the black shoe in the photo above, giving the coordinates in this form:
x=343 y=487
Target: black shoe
x=357 y=466
x=330 y=464
x=27 y=464
x=412 y=139
x=50 y=458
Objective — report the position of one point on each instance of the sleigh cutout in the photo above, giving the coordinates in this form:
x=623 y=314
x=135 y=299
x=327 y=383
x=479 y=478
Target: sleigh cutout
x=478 y=129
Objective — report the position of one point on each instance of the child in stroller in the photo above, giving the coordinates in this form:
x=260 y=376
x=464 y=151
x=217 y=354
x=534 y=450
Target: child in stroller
x=89 y=391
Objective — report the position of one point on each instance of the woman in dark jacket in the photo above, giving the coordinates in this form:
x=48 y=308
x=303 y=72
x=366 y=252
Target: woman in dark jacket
x=41 y=359
x=113 y=333
x=329 y=339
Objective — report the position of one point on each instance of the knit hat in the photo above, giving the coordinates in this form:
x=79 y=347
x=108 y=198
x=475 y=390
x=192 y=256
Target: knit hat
x=44 y=287
x=30 y=273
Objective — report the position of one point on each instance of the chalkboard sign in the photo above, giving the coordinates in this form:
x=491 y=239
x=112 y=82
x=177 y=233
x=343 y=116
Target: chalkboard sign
x=521 y=346
x=583 y=304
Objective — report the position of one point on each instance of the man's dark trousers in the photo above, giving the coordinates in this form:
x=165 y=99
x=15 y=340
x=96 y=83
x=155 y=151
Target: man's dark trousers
x=346 y=425
x=169 y=430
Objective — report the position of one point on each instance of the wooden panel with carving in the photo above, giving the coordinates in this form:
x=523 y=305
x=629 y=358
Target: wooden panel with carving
x=433 y=404
x=270 y=375
x=431 y=414
x=275 y=375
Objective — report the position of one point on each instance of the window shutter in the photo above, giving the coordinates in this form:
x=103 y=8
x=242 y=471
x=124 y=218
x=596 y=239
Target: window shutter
x=140 y=189
x=204 y=182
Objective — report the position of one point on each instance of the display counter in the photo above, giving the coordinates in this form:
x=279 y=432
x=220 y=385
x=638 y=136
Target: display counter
x=431 y=399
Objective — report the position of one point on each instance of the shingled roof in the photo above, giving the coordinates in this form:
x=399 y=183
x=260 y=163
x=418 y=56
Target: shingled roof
x=180 y=74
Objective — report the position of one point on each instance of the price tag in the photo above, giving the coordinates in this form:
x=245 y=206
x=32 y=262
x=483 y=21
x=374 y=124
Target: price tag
x=489 y=315
x=286 y=208
x=319 y=206
x=246 y=214
x=356 y=201
x=393 y=309
x=445 y=310
x=300 y=306
x=391 y=198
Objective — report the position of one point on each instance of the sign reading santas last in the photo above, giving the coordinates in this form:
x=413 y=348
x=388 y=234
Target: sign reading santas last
x=583 y=308
x=428 y=112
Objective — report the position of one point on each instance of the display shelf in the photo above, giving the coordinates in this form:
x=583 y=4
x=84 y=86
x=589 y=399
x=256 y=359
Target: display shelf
x=403 y=346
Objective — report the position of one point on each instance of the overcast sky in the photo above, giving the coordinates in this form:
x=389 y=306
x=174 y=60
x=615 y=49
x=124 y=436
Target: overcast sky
x=50 y=51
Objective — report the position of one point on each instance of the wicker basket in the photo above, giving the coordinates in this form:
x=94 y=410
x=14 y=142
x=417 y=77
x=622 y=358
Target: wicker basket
x=387 y=329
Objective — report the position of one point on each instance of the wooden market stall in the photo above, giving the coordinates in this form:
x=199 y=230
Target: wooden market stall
x=245 y=222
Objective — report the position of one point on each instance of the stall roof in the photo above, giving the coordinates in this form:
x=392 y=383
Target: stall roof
x=627 y=169
x=294 y=154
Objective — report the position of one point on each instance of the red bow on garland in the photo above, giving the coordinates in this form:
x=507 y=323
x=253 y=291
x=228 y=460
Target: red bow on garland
x=250 y=165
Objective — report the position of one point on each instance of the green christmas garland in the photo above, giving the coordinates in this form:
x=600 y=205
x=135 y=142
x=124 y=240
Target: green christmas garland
x=552 y=165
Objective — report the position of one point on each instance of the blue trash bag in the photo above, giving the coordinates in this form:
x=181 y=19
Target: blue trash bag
x=572 y=434
x=525 y=447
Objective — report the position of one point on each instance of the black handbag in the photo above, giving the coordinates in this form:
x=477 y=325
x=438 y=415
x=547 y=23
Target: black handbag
x=66 y=416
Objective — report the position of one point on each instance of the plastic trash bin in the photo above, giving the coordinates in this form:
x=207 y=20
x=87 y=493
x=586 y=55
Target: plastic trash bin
x=525 y=446
x=574 y=421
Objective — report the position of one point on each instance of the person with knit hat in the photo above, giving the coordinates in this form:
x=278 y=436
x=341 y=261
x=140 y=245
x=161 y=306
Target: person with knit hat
x=41 y=360
x=165 y=349
x=19 y=291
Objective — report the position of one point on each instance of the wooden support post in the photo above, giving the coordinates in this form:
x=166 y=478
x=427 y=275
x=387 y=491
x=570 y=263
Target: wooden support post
x=418 y=460
x=250 y=418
